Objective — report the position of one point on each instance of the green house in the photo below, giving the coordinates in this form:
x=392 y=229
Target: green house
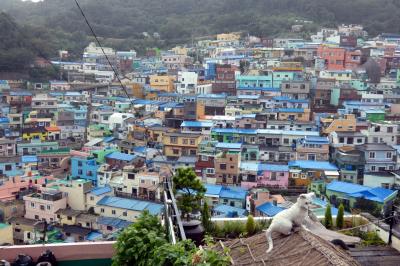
x=375 y=115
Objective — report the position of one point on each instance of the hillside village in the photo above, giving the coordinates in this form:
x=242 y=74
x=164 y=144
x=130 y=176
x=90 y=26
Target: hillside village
x=259 y=120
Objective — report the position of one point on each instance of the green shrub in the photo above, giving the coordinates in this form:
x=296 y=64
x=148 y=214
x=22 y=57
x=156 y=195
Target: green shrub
x=340 y=217
x=250 y=225
x=328 y=217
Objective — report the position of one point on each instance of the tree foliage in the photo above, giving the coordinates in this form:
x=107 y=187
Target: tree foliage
x=206 y=217
x=191 y=191
x=328 y=217
x=340 y=217
x=122 y=22
x=250 y=225
x=145 y=243
x=367 y=206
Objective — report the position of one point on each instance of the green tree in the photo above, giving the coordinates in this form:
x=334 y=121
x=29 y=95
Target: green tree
x=137 y=243
x=328 y=217
x=206 y=217
x=191 y=191
x=340 y=217
x=250 y=225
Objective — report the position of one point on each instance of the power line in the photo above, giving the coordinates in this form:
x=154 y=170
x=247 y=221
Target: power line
x=102 y=49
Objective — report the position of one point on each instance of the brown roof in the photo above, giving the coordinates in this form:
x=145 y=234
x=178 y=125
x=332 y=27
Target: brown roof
x=300 y=248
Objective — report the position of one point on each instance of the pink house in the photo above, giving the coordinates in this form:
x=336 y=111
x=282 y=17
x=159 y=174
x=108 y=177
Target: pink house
x=43 y=206
x=10 y=188
x=267 y=175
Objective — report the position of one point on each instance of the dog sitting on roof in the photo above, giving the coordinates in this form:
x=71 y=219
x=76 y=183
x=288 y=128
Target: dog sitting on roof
x=286 y=221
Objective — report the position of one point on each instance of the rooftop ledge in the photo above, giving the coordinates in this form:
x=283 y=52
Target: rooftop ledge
x=79 y=251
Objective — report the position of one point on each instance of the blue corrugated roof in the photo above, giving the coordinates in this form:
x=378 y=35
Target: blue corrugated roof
x=94 y=235
x=108 y=139
x=235 y=130
x=120 y=156
x=229 y=211
x=269 y=209
x=196 y=124
x=100 y=190
x=316 y=140
x=318 y=165
x=233 y=193
x=288 y=99
x=223 y=145
x=4 y=120
x=131 y=204
x=213 y=190
x=273 y=167
x=29 y=159
x=20 y=93
x=114 y=222
x=377 y=194
x=290 y=110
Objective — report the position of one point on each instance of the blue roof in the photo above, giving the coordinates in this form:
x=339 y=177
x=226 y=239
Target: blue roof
x=318 y=165
x=120 y=156
x=130 y=204
x=288 y=99
x=196 y=124
x=213 y=189
x=108 y=139
x=233 y=193
x=223 y=145
x=29 y=159
x=235 y=130
x=273 y=167
x=94 y=235
x=4 y=120
x=269 y=209
x=249 y=166
x=139 y=149
x=20 y=93
x=229 y=211
x=114 y=222
x=98 y=191
x=248 y=96
x=316 y=140
x=377 y=194
x=258 y=89
x=290 y=110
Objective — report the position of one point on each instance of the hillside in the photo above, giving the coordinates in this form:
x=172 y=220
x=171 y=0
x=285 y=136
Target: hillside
x=122 y=22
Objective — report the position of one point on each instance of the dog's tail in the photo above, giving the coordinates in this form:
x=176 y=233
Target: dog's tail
x=268 y=233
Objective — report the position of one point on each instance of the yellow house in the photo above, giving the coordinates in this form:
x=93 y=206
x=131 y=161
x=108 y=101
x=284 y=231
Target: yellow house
x=180 y=50
x=76 y=190
x=162 y=83
x=68 y=216
x=342 y=124
x=6 y=234
x=179 y=144
x=228 y=36
x=294 y=114
x=34 y=133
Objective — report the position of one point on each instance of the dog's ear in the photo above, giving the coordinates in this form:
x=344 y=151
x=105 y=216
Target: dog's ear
x=302 y=196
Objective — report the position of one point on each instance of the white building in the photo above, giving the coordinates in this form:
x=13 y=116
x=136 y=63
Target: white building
x=187 y=82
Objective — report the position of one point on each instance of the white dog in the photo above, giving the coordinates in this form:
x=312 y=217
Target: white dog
x=285 y=221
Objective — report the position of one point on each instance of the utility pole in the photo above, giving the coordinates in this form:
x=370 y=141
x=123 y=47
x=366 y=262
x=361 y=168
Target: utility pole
x=391 y=225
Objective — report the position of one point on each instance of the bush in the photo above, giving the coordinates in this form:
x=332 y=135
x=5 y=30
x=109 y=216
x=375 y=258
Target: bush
x=206 y=217
x=250 y=225
x=137 y=243
x=340 y=217
x=328 y=217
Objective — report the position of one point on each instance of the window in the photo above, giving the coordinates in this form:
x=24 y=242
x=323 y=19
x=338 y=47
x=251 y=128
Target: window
x=286 y=141
x=125 y=213
x=48 y=207
x=131 y=176
x=185 y=141
x=79 y=163
x=192 y=142
x=69 y=218
x=175 y=151
x=42 y=207
x=8 y=167
x=32 y=205
x=389 y=130
x=173 y=140
x=109 y=228
x=372 y=155
x=389 y=155
x=359 y=140
x=102 y=210
x=91 y=198
x=36 y=217
x=222 y=166
x=113 y=212
x=373 y=168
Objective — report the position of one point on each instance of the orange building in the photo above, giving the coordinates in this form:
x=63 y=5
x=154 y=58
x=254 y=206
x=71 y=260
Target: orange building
x=334 y=57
